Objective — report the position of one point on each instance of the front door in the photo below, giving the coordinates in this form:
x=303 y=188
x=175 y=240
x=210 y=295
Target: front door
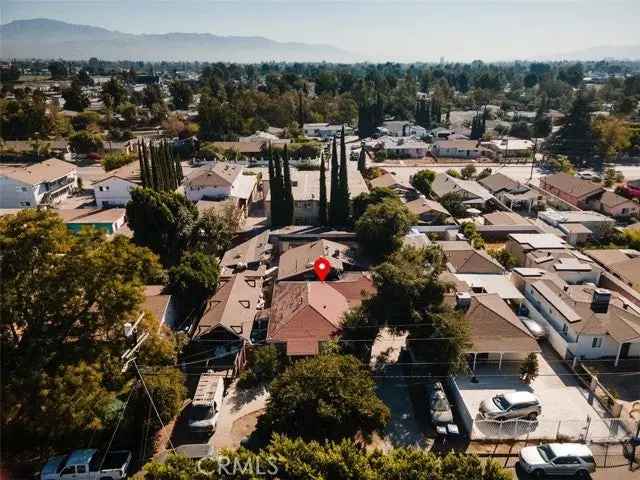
x=624 y=351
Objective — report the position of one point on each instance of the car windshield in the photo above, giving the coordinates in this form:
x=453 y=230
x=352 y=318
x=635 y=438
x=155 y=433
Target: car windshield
x=200 y=413
x=501 y=402
x=588 y=459
x=546 y=453
x=440 y=404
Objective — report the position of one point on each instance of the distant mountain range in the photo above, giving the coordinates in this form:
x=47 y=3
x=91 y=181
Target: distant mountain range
x=623 y=52
x=45 y=39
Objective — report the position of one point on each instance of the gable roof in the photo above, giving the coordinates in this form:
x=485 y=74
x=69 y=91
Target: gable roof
x=156 y=301
x=445 y=183
x=612 y=200
x=505 y=218
x=462 y=258
x=572 y=185
x=300 y=305
x=233 y=306
x=498 y=182
x=355 y=287
x=539 y=240
x=420 y=206
x=254 y=250
x=220 y=174
x=129 y=173
x=496 y=328
x=384 y=180
x=299 y=260
x=38 y=173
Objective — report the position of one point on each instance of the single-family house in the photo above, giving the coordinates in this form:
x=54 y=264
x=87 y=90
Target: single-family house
x=221 y=180
x=44 y=183
x=250 y=256
x=572 y=266
x=624 y=264
x=473 y=194
x=504 y=218
x=466 y=149
x=161 y=305
x=514 y=194
x=114 y=188
x=579 y=226
x=428 y=211
x=616 y=205
x=402 y=128
x=584 y=321
x=303 y=315
x=520 y=244
x=402 y=147
x=388 y=180
x=461 y=257
x=325 y=130
x=510 y=148
x=578 y=192
x=297 y=263
x=227 y=322
x=108 y=220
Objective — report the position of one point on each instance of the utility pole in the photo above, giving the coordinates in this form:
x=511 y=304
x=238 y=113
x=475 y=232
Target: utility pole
x=533 y=160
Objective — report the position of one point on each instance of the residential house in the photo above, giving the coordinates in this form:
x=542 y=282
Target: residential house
x=388 y=180
x=504 y=218
x=221 y=180
x=514 y=194
x=579 y=226
x=305 y=187
x=44 y=183
x=402 y=128
x=246 y=150
x=461 y=257
x=161 y=305
x=114 y=189
x=58 y=148
x=402 y=147
x=582 y=320
x=428 y=211
x=227 y=206
x=519 y=245
x=510 y=148
x=497 y=333
x=474 y=195
x=624 y=264
x=616 y=205
x=227 y=322
x=297 y=263
x=108 y=220
x=250 y=256
x=304 y=315
x=466 y=149
x=324 y=130
x=578 y=192
x=572 y=266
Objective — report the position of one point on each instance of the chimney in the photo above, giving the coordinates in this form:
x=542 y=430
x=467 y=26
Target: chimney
x=463 y=300
x=600 y=301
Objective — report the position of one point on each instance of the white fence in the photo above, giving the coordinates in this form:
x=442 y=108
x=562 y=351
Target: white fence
x=561 y=430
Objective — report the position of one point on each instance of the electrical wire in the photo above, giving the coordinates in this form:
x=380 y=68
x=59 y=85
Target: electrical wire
x=113 y=435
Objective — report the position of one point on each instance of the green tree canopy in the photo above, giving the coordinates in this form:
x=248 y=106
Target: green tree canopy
x=182 y=95
x=194 y=279
x=422 y=180
x=381 y=228
x=327 y=397
x=74 y=98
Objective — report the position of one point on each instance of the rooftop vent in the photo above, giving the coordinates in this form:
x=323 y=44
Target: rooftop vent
x=600 y=301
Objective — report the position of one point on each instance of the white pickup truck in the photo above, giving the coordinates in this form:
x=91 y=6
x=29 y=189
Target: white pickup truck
x=88 y=464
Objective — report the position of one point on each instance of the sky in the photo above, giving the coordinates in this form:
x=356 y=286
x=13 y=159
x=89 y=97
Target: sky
x=380 y=30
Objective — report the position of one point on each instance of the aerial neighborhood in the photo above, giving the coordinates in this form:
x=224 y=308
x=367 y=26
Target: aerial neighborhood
x=351 y=270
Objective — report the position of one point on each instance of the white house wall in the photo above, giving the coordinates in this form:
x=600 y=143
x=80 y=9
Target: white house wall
x=113 y=192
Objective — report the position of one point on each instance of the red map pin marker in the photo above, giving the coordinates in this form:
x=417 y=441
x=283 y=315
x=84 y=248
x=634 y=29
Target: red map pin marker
x=322 y=267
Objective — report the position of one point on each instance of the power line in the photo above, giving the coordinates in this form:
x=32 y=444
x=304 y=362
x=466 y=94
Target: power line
x=152 y=402
x=113 y=435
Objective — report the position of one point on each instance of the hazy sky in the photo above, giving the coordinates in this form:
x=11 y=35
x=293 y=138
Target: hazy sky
x=380 y=30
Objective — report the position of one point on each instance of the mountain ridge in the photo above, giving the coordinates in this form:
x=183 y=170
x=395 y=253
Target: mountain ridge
x=46 y=38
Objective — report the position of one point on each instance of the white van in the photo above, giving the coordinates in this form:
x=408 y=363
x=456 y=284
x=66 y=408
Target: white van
x=206 y=404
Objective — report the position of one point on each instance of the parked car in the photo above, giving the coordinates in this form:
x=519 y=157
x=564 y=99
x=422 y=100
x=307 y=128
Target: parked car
x=535 y=328
x=205 y=406
x=87 y=464
x=557 y=459
x=510 y=406
x=439 y=406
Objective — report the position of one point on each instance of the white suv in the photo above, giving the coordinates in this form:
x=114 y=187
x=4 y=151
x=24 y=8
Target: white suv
x=557 y=459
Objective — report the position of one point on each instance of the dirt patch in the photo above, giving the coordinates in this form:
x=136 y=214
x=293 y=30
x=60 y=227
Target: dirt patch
x=244 y=426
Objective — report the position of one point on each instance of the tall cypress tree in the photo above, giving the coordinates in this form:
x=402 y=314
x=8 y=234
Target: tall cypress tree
x=362 y=160
x=323 y=192
x=279 y=190
x=343 y=185
x=287 y=192
x=333 y=193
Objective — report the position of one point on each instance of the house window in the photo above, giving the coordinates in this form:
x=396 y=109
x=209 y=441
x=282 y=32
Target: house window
x=21 y=189
x=596 y=343
x=25 y=204
x=565 y=328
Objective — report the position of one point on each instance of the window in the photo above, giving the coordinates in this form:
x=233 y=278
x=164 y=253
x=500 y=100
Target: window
x=566 y=461
x=25 y=204
x=68 y=471
x=81 y=469
x=22 y=189
x=565 y=328
x=597 y=342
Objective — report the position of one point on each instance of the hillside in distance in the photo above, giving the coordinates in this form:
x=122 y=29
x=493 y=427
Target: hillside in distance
x=46 y=39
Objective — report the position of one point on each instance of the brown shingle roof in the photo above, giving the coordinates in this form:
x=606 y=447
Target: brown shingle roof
x=38 y=173
x=156 y=301
x=497 y=182
x=495 y=328
x=222 y=174
x=355 y=288
x=304 y=314
x=299 y=260
x=572 y=185
x=420 y=206
x=129 y=172
x=233 y=307
x=240 y=147
x=464 y=259
x=612 y=200
x=505 y=218
x=385 y=180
